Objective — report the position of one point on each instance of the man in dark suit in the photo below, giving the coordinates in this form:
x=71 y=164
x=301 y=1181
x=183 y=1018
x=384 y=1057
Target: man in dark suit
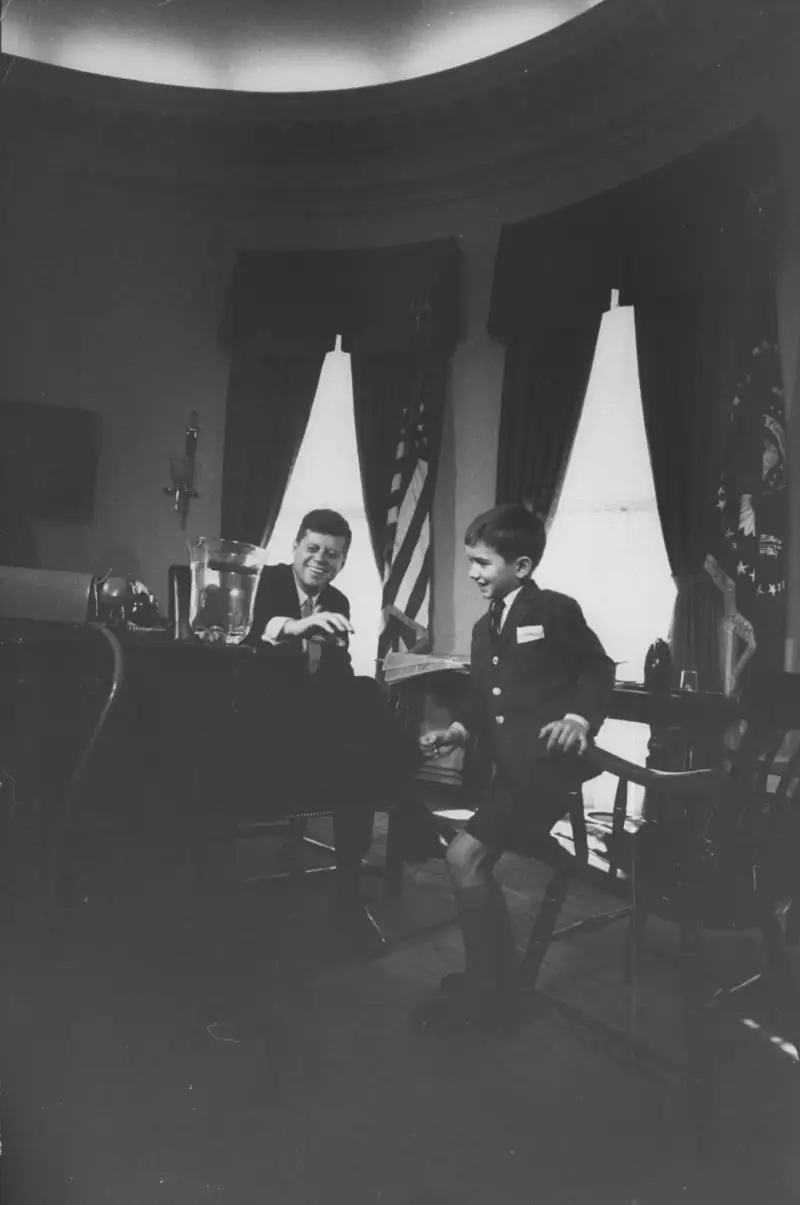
x=334 y=731
x=541 y=685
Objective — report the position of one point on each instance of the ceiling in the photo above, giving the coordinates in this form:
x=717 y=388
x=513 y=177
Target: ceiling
x=274 y=45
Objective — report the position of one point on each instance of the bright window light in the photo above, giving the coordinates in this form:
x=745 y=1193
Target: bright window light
x=605 y=546
x=326 y=474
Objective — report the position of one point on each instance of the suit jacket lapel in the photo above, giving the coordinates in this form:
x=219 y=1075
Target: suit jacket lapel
x=528 y=594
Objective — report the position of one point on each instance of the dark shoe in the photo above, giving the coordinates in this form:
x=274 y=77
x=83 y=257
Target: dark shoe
x=360 y=931
x=455 y=1015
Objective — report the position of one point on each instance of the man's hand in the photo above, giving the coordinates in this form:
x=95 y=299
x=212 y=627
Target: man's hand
x=441 y=741
x=322 y=625
x=565 y=735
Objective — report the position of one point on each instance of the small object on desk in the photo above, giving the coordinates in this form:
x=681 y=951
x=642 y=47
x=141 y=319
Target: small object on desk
x=689 y=680
x=399 y=666
x=658 y=666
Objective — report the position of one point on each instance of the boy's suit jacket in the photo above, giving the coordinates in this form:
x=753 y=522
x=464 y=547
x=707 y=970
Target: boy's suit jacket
x=277 y=595
x=545 y=663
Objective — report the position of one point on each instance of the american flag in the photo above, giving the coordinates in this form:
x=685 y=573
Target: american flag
x=407 y=555
x=752 y=500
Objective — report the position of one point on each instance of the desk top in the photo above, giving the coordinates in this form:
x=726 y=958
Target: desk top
x=700 y=711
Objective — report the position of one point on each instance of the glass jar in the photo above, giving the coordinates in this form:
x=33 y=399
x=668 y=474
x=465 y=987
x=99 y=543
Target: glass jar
x=225 y=576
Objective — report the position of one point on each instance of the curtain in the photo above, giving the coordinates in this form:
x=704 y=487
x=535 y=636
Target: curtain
x=552 y=283
x=398 y=310
x=699 y=247
x=686 y=246
x=270 y=396
x=544 y=385
x=685 y=347
x=405 y=309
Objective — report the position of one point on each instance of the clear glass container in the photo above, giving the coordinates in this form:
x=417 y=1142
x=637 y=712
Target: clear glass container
x=225 y=576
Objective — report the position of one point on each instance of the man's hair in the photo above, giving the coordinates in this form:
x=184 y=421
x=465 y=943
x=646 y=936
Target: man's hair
x=511 y=531
x=327 y=523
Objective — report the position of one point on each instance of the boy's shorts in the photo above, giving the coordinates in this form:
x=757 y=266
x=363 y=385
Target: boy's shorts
x=514 y=817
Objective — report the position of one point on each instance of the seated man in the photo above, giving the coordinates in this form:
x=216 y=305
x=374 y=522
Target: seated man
x=332 y=731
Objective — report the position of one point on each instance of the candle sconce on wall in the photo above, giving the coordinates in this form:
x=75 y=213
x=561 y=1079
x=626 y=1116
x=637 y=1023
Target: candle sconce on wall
x=182 y=470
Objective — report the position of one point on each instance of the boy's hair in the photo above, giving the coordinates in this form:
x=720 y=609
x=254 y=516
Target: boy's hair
x=511 y=531
x=327 y=523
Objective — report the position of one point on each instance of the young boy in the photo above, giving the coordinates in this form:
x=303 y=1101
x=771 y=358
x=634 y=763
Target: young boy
x=541 y=685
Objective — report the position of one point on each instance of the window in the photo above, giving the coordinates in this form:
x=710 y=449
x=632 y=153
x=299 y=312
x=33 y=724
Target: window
x=326 y=474
x=605 y=546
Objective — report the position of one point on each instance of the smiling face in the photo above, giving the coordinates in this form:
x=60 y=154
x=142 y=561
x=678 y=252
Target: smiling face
x=494 y=576
x=317 y=559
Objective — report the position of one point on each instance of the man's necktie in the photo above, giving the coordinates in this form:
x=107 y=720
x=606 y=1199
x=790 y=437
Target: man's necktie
x=495 y=617
x=313 y=648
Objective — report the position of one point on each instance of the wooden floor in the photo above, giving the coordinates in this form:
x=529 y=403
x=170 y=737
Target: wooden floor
x=227 y=1051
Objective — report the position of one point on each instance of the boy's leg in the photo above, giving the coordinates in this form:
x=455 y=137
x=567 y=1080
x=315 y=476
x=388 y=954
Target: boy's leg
x=471 y=864
x=489 y=961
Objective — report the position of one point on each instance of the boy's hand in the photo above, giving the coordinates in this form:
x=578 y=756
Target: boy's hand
x=441 y=741
x=322 y=625
x=565 y=735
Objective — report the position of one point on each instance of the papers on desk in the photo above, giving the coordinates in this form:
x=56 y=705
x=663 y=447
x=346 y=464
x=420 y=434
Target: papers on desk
x=397 y=667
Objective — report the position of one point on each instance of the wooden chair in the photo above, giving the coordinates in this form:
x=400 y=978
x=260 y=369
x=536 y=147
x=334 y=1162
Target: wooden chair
x=63 y=684
x=724 y=855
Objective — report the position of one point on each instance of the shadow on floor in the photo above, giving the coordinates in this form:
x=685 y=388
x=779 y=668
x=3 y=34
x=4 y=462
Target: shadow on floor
x=225 y=1051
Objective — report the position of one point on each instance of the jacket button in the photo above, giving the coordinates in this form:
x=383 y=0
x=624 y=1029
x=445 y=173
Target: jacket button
x=496 y=690
x=495 y=660
x=500 y=719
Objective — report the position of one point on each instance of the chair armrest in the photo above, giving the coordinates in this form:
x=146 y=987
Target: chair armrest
x=682 y=784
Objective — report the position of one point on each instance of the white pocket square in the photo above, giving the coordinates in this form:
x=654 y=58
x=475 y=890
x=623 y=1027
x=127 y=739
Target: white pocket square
x=534 y=632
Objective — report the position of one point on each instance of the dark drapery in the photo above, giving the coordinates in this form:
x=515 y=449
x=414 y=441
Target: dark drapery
x=685 y=350
x=699 y=246
x=684 y=245
x=405 y=324
x=552 y=284
x=270 y=395
x=279 y=323
x=544 y=385
x=283 y=313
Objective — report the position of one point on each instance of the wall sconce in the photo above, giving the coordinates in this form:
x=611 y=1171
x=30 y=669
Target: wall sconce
x=182 y=470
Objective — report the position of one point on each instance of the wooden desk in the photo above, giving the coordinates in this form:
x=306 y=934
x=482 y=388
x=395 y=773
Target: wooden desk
x=198 y=739
x=701 y=717
x=142 y=734
x=686 y=727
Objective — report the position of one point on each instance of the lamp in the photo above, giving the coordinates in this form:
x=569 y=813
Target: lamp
x=182 y=470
